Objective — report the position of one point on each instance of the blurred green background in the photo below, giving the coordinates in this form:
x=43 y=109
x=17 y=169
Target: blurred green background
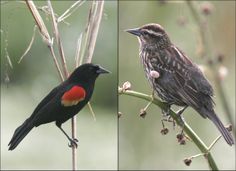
x=141 y=145
x=46 y=147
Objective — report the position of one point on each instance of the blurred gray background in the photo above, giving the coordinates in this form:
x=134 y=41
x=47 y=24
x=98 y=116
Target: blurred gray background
x=46 y=147
x=141 y=145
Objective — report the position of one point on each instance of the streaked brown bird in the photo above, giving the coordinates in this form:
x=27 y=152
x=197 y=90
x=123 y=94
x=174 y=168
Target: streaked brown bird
x=174 y=77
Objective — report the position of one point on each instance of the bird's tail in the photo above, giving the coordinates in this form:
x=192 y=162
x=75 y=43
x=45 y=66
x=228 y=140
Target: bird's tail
x=19 y=134
x=225 y=133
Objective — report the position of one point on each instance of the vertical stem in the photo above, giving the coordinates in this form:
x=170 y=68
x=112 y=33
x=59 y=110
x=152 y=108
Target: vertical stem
x=66 y=74
x=74 y=151
x=58 y=40
x=94 y=30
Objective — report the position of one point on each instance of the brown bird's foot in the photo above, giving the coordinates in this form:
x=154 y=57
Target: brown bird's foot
x=73 y=143
x=179 y=112
x=180 y=117
x=166 y=112
x=168 y=119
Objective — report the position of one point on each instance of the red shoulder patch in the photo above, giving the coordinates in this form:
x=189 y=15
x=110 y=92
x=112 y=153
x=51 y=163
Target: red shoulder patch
x=73 y=96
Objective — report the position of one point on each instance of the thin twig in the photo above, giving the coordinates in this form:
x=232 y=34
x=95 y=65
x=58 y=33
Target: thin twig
x=44 y=33
x=214 y=142
x=66 y=73
x=74 y=151
x=78 y=56
x=96 y=20
x=58 y=40
x=187 y=129
x=70 y=10
x=6 y=51
x=55 y=61
x=39 y=21
x=91 y=111
x=29 y=46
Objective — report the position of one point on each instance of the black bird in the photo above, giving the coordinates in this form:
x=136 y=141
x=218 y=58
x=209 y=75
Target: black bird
x=62 y=103
x=173 y=76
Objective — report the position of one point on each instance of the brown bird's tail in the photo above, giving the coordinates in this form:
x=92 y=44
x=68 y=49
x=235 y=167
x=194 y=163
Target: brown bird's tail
x=19 y=134
x=225 y=133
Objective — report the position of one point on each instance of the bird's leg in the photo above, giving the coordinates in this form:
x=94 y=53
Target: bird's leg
x=73 y=142
x=165 y=130
x=166 y=112
x=179 y=114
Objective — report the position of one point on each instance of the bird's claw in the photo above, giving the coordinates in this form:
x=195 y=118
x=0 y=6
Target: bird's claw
x=73 y=143
x=166 y=113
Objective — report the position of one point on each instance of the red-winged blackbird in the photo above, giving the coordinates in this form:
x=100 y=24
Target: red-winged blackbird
x=62 y=103
x=179 y=81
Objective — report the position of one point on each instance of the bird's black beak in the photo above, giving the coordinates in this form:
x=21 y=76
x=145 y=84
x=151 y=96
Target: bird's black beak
x=102 y=71
x=135 y=31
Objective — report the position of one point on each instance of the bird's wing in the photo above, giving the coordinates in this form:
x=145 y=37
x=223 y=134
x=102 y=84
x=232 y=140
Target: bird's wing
x=62 y=99
x=47 y=99
x=194 y=88
x=73 y=96
x=195 y=78
x=185 y=80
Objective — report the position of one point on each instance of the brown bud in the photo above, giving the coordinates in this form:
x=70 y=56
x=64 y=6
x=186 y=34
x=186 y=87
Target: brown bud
x=142 y=113
x=220 y=58
x=229 y=127
x=162 y=2
x=119 y=114
x=126 y=86
x=182 y=141
x=207 y=8
x=181 y=20
x=179 y=136
x=210 y=62
x=188 y=161
x=223 y=72
x=164 y=131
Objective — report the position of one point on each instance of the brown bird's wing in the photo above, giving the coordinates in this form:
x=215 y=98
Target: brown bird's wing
x=186 y=82
x=195 y=86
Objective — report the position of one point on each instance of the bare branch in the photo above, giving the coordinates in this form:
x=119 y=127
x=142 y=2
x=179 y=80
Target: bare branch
x=58 y=39
x=78 y=56
x=29 y=46
x=8 y=58
x=93 y=32
x=44 y=33
x=39 y=21
x=70 y=10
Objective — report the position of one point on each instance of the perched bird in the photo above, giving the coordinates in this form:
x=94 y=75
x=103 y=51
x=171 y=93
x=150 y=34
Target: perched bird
x=173 y=76
x=62 y=103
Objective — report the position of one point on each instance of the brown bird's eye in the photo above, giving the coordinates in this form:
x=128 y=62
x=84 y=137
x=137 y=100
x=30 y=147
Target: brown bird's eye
x=145 y=33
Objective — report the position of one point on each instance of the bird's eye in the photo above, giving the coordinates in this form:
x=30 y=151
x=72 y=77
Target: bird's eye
x=145 y=33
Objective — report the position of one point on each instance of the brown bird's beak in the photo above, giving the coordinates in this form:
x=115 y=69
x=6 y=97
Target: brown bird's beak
x=102 y=70
x=135 y=31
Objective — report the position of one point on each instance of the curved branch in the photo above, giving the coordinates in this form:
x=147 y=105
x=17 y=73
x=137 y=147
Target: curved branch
x=187 y=129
